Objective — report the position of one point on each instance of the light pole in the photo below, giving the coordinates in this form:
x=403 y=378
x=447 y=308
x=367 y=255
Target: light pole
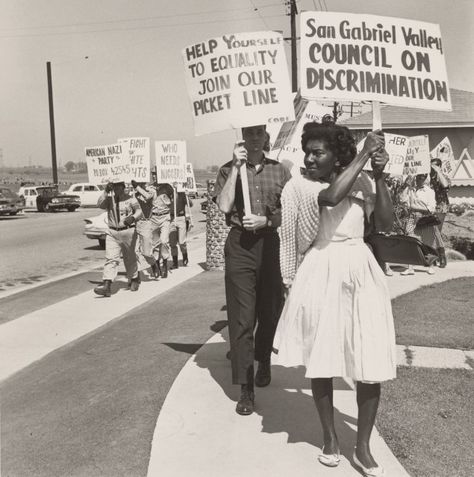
x=51 y=123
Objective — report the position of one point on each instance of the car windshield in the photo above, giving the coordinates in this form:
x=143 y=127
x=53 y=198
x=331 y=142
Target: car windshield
x=48 y=191
x=7 y=194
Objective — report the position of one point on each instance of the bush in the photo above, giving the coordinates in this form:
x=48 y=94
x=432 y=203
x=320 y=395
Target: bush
x=460 y=209
x=463 y=245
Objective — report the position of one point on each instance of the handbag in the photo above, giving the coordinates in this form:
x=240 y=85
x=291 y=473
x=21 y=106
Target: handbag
x=428 y=220
x=401 y=249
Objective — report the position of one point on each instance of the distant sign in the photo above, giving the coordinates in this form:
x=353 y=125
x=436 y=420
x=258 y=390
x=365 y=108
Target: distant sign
x=138 y=150
x=444 y=151
x=190 y=184
x=170 y=162
x=418 y=156
x=107 y=164
x=396 y=147
x=359 y=57
x=287 y=147
x=238 y=80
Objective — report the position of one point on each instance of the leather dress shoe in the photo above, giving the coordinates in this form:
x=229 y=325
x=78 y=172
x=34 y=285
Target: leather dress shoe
x=246 y=403
x=134 y=284
x=263 y=376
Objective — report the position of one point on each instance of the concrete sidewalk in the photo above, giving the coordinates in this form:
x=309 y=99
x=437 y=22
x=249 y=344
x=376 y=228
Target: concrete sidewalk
x=198 y=432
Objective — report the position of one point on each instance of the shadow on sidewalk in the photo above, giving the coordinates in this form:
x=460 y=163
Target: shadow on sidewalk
x=286 y=406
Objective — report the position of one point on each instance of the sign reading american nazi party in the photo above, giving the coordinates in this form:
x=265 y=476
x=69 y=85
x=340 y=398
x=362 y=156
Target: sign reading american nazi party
x=138 y=150
x=170 y=162
x=360 y=57
x=107 y=164
x=238 y=80
x=417 y=160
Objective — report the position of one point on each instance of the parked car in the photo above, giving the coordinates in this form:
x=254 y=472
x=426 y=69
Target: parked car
x=48 y=199
x=88 y=193
x=96 y=228
x=201 y=191
x=10 y=202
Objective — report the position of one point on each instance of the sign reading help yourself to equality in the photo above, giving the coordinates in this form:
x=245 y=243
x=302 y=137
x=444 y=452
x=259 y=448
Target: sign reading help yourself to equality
x=238 y=80
x=170 y=162
x=108 y=164
x=138 y=150
x=359 y=57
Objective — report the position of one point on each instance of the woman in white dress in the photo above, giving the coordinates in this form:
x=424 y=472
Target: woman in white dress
x=337 y=319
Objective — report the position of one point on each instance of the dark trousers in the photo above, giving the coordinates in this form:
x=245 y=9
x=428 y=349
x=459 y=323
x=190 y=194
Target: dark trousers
x=254 y=297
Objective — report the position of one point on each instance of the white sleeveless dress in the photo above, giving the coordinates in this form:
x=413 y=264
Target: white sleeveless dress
x=337 y=320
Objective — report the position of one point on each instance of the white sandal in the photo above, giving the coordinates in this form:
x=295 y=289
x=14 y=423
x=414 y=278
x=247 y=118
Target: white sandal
x=368 y=471
x=330 y=460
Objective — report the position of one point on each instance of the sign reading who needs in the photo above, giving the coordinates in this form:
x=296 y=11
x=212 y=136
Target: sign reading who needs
x=108 y=164
x=138 y=150
x=360 y=57
x=170 y=162
x=238 y=80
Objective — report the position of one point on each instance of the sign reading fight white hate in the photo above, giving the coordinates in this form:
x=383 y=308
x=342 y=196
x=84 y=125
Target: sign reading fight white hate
x=170 y=162
x=238 y=80
x=138 y=150
x=417 y=160
x=396 y=147
x=108 y=164
x=360 y=57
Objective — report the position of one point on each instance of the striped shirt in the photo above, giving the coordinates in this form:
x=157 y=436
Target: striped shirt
x=265 y=186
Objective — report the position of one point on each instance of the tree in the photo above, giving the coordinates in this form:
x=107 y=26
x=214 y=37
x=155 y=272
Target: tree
x=69 y=166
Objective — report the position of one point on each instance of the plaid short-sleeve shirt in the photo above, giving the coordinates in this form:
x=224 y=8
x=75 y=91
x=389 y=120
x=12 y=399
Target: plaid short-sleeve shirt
x=265 y=186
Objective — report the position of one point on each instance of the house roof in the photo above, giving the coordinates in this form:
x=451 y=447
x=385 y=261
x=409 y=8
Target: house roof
x=397 y=117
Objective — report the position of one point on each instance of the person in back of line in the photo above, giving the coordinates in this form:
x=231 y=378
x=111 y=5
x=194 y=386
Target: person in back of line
x=252 y=271
x=146 y=228
x=122 y=213
x=180 y=225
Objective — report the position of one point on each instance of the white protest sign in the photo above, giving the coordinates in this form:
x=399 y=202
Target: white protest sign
x=138 y=150
x=107 y=163
x=170 y=162
x=396 y=147
x=190 y=184
x=444 y=151
x=238 y=80
x=287 y=147
x=417 y=160
x=359 y=57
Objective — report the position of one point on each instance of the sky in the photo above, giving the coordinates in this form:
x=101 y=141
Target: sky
x=117 y=69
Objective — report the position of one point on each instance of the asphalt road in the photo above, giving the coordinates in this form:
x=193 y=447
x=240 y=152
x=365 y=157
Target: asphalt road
x=38 y=246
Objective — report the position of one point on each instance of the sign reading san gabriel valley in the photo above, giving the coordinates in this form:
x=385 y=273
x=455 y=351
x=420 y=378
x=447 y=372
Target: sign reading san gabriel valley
x=360 y=57
x=238 y=80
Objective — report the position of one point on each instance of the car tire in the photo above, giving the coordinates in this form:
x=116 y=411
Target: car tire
x=13 y=213
x=102 y=243
x=40 y=207
x=71 y=209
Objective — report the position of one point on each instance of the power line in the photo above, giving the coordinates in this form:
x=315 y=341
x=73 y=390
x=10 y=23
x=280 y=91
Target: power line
x=258 y=13
x=160 y=17
x=134 y=28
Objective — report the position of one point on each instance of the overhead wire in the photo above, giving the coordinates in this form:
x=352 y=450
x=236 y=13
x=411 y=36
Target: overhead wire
x=258 y=12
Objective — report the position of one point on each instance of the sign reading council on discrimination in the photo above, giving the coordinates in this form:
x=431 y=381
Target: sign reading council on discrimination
x=366 y=57
x=138 y=150
x=107 y=163
x=170 y=162
x=238 y=80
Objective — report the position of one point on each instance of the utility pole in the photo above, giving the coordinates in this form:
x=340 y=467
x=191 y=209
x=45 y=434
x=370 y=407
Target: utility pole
x=294 y=66
x=51 y=123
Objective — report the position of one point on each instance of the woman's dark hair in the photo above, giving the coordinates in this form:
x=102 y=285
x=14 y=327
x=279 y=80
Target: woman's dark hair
x=338 y=139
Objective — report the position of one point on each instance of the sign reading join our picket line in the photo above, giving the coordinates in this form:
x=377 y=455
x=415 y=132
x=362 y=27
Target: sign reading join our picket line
x=171 y=162
x=107 y=163
x=444 y=151
x=396 y=147
x=238 y=80
x=417 y=160
x=138 y=150
x=360 y=57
